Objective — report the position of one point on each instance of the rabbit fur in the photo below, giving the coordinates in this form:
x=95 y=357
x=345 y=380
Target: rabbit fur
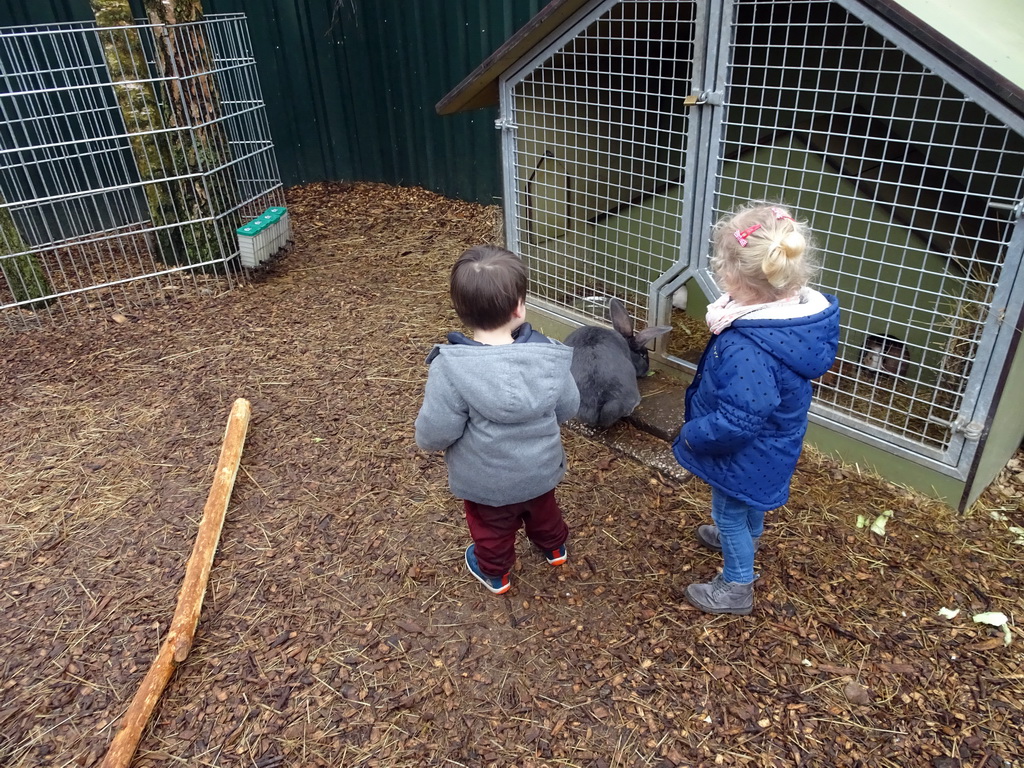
x=606 y=364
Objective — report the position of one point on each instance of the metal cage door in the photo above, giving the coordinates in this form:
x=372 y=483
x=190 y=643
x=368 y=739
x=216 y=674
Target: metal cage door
x=595 y=134
x=910 y=177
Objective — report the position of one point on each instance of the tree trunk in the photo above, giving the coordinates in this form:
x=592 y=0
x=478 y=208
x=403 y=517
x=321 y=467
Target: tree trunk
x=188 y=103
x=193 y=100
x=140 y=109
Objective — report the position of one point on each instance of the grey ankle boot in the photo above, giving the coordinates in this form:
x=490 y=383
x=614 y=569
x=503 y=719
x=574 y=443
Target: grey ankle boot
x=707 y=535
x=720 y=596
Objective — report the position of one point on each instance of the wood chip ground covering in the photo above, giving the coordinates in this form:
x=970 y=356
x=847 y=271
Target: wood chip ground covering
x=341 y=628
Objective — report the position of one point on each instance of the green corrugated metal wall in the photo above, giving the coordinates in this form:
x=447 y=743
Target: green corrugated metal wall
x=350 y=85
x=19 y=12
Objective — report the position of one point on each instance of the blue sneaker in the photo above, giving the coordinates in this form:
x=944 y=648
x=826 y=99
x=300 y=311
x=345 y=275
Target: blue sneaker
x=496 y=584
x=556 y=556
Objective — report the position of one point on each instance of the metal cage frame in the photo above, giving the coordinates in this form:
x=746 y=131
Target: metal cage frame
x=129 y=156
x=907 y=243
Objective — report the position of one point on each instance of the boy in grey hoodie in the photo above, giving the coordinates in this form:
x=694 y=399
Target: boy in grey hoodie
x=493 y=403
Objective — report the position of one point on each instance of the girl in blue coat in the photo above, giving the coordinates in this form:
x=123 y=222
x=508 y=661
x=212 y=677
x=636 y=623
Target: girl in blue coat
x=746 y=410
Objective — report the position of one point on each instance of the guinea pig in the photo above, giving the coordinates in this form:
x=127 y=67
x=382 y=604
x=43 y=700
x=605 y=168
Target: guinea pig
x=884 y=355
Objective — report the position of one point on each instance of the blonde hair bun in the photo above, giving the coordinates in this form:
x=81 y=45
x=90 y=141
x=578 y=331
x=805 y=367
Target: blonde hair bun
x=778 y=256
x=763 y=251
x=793 y=244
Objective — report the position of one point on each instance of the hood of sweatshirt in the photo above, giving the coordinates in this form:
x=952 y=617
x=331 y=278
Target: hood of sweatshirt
x=806 y=345
x=508 y=383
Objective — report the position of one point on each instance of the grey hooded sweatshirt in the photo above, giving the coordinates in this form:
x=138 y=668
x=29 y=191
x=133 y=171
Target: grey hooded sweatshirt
x=495 y=411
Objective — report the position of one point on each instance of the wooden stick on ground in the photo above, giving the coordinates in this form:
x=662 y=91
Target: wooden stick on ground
x=178 y=642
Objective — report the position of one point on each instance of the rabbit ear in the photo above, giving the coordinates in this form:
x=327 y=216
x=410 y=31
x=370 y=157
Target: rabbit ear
x=621 y=321
x=647 y=334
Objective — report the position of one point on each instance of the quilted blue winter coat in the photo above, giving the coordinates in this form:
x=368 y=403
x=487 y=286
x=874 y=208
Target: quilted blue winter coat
x=746 y=410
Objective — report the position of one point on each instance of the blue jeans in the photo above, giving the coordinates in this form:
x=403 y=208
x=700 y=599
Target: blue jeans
x=738 y=523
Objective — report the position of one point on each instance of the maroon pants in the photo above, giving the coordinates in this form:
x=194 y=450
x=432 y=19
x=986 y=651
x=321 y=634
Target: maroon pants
x=494 y=530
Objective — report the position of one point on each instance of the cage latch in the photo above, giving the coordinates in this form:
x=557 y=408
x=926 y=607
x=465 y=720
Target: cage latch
x=1015 y=209
x=505 y=123
x=695 y=99
x=971 y=430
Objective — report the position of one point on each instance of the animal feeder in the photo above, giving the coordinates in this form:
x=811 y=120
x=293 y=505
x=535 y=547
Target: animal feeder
x=264 y=236
x=630 y=126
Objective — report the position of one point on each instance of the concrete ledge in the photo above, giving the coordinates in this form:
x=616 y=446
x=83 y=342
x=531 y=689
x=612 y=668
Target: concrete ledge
x=660 y=412
x=638 y=445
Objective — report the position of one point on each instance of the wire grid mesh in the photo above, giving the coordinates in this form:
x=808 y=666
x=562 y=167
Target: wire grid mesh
x=906 y=183
x=600 y=128
x=129 y=155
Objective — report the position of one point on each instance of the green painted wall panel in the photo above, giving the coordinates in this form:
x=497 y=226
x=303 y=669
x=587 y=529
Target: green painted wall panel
x=1005 y=429
x=991 y=30
x=350 y=85
x=20 y=12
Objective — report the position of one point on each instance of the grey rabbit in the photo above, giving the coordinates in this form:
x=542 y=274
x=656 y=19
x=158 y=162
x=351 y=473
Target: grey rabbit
x=606 y=364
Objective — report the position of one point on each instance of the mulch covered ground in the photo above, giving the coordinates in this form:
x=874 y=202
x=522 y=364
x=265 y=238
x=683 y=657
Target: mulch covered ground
x=340 y=627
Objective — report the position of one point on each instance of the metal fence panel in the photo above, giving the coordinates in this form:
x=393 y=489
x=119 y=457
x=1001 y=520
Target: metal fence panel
x=129 y=156
x=350 y=85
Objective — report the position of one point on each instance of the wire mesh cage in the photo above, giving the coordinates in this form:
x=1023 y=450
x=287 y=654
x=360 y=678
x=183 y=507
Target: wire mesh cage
x=908 y=181
x=129 y=156
x=600 y=131
x=906 y=178
x=641 y=122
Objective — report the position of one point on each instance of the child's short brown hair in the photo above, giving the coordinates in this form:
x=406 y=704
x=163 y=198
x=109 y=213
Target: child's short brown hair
x=487 y=284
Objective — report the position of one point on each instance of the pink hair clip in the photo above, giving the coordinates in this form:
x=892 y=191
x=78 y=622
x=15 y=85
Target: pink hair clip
x=742 y=235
